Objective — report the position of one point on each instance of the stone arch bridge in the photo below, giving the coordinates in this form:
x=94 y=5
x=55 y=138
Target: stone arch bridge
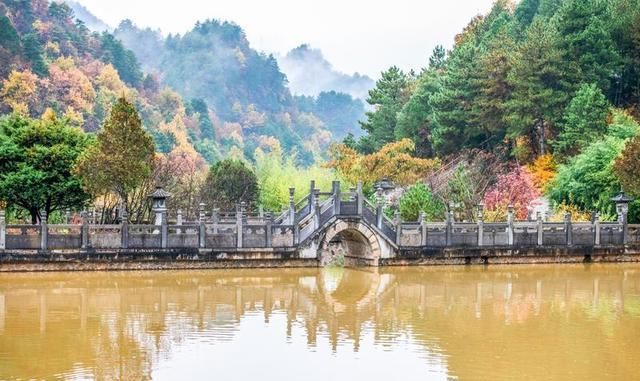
x=311 y=232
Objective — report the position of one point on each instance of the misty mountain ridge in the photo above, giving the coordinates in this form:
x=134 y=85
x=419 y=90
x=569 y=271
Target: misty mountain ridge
x=310 y=73
x=90 y=20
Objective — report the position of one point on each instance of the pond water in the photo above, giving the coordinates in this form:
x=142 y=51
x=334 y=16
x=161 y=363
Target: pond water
x=561 y=322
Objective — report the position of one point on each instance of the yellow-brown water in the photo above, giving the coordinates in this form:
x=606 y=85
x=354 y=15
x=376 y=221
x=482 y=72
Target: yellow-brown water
x=497 y=323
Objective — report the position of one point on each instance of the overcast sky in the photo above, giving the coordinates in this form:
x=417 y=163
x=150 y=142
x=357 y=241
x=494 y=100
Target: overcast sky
x=365 y=36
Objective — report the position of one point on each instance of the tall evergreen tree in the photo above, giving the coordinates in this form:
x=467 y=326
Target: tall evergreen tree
x=387 y=98
x=539 y=89
x=33 y=51
x=584 y=120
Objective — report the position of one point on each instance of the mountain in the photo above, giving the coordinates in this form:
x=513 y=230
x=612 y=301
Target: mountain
x=89 y=19
x=309 y=73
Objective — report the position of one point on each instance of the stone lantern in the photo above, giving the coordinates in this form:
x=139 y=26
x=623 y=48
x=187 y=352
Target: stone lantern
x=159 y=203
x=622 y=202
x=384 y=188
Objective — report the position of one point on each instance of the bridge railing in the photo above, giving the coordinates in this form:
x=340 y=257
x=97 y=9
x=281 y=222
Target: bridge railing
x=305 y=219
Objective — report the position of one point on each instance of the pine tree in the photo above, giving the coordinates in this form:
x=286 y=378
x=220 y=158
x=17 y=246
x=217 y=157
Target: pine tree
x=122 y=156
x=32 y=49
x=387 y=98
x=539 y=90
x=584 y=120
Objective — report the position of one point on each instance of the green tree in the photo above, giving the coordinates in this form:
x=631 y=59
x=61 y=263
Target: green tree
x=9 y=38
x=37 y=158
x=539 y=90
x=32 y=50
x=229 y=183
x=387 y=98
x=419 y=198
x=122 y=157
x=584 y=120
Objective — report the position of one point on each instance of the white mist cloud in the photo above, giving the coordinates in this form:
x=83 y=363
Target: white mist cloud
x=364 y=36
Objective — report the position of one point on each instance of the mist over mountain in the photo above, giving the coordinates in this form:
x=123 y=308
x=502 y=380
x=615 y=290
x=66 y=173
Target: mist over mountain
x=309 y=73
x=89 y=19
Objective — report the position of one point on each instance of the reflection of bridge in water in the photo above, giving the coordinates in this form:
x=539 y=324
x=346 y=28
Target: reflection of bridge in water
x=118 y=323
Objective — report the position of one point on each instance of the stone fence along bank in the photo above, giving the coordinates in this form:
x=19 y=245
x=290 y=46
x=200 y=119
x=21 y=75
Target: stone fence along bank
x=312 y=232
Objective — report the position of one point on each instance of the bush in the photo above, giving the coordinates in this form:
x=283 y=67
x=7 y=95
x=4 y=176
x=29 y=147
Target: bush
x=419 y=198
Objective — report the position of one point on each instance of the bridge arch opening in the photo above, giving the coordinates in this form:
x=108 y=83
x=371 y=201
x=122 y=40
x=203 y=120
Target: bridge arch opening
x=350 y=243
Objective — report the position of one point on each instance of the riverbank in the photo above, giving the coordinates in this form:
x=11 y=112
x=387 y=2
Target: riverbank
x=121 y=260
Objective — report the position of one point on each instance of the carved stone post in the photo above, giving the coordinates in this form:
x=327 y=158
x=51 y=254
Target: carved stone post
x=312 y=188
x=379 y=214
x=625 y=229
x=67 y=216
x=423 y=228
x=215 y=219
x=510 y=218
x=568 y=229
x=84 y=231
x=292 y=206
x=239 y=225
x=124 y=230
x=397 y=222
x=316 y=209
x=268 y=226
x=164 y=231
x=359 y=198
x=179 y=217
x=3 y=230
x=596 y=229
x=480 y=224
x=336 y=198
x=449 y=228
x=202 y=233
x=44 y=232
x=540 y=226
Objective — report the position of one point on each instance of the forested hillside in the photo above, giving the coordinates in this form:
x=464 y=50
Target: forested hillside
x=550 y=88
x=214 y=65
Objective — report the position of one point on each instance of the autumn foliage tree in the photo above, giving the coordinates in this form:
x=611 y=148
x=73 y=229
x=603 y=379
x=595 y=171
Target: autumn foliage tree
x=627 y=167
x=393 y=161
x=516 y=189
x=122 y=157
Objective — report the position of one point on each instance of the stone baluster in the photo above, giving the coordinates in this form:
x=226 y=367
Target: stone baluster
x=379 y=214
x=312 y=188
x=44 y=232
x=510 y=219
x=67 y=216
x=179 y=217
x=596 y=229
x=84 y=230
x=316 y=209
x=215 y=219
x=625 y=228
x=269 y=229
x=124 y=230
x=3 y=230
x=164 y=231
x=239 y=224
x=202 y=231
x=422 y=219
x=359 y=198
x=336 y=198
x=397 y=223
x=292 y=206
x=449 y=228
x=480 y=224
x=540 y=228
x=568 y=229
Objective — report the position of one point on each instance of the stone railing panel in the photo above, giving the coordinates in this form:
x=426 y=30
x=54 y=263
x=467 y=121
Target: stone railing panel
x=436 y=234
x=633 y=232
x=610 y=233
x=186 y=236
x=254 y=236
x=495 y=234
x=145 y=237
x=554 y=234
x=64 y=237
x=525 y=234
x=464 y=234
x=105 y=236
x=282 y=236
x=582 y=234
x=23 y=237
x=410 y=235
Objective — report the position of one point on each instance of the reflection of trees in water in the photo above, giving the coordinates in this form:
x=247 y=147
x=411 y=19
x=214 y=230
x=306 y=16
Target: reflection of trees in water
x=119 y=324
